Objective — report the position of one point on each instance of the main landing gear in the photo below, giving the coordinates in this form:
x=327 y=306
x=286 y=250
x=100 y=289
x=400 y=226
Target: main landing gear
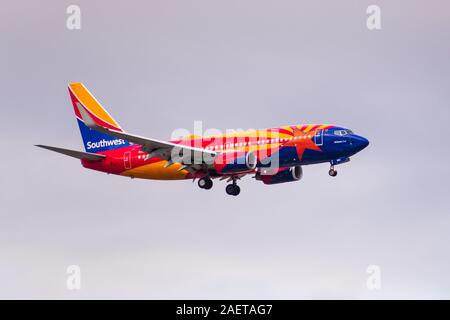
x=233 y=189
x=332 y=172
x=205 y=183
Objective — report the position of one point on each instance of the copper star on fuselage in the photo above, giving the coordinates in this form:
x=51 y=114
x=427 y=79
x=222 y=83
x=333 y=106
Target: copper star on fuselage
x=301 y=142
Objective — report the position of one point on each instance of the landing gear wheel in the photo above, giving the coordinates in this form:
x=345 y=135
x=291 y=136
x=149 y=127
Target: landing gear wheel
x=332 y=173
x=233 y=189
x=205 y=183
x=209 y=184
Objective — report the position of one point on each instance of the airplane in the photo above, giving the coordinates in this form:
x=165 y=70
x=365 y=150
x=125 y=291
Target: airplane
x=272 y=156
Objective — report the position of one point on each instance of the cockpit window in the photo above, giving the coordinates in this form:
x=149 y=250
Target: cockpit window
x=340 y=132
x=343 y=132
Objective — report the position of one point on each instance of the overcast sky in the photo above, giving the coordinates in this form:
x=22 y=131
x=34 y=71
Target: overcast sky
x=161 y=65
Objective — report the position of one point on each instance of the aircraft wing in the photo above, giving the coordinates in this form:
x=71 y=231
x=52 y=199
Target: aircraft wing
x=161 y=149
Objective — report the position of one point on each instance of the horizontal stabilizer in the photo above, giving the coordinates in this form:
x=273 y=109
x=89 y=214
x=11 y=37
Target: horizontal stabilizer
x=75 y=154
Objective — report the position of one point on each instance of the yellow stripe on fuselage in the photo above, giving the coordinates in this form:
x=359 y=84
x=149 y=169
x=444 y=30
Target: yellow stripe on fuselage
x=157 y=171
x=308 y=128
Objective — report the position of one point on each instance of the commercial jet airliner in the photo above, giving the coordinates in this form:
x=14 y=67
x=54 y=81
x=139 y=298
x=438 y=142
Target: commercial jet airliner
x=274 y=155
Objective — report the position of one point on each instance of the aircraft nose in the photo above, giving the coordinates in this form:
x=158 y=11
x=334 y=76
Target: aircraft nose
x=360 y=142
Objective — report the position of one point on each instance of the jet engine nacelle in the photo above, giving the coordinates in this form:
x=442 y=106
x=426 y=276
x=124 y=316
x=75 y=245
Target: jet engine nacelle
x=235 y=162
x=282 y=175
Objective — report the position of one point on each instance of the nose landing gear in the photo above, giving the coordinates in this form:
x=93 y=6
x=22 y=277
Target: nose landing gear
x=332 y=172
